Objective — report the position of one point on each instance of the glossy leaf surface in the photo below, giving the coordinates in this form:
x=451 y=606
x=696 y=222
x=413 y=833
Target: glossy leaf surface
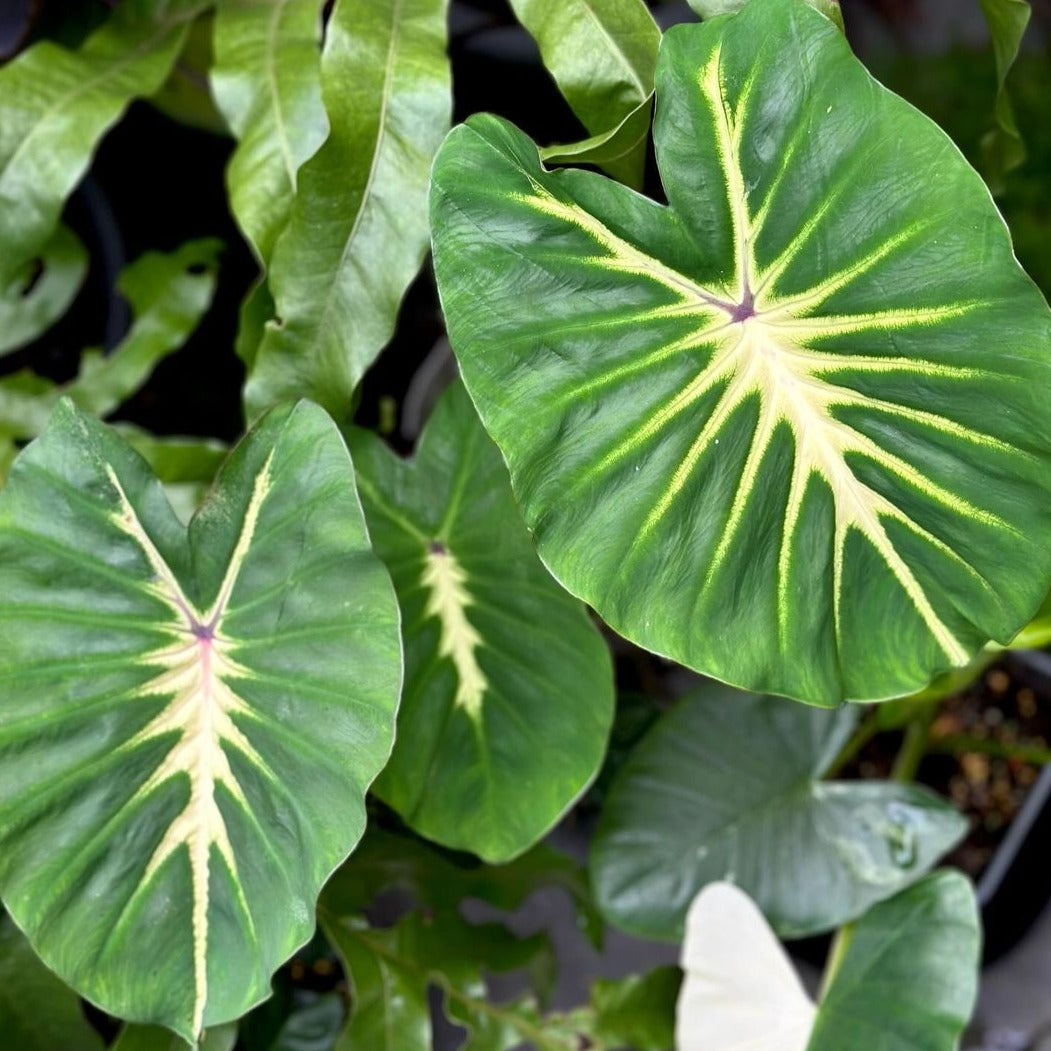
x=726 y=786
x=358 y=229
x=509 y=686
x=788 y=429
x=199 y=712
x=920 y=950
x=168 y=294
x=267 y=83
x=602 y=54
x=55 y=105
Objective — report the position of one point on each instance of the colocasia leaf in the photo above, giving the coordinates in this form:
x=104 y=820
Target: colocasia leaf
x=358 y=229
x=509 y=687
x=713 y=8
x=726 y=786
x=602 y=54
x=56 y=104
x=790 y=429
x=199 y=712
x=920 y=949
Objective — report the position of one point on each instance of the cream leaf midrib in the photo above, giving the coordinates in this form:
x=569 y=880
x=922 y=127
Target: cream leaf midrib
x=769 y=344
x=192 y=672
x=448 y=598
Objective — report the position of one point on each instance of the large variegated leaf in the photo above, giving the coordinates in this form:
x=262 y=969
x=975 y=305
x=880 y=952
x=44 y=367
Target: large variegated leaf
x=358 y=229
x=191 y=718
x=508 y=685
x=55 y=105
x=267 y=83
x=789 y=429
x=727 y=786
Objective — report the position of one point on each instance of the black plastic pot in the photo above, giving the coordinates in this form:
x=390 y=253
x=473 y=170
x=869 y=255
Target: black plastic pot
x=1014 y=888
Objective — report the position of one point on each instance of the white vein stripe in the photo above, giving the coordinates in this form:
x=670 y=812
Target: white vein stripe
x=200 y=714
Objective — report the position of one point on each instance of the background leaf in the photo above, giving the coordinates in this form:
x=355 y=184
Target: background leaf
x=37 y=1011
x=157 y=1038
x=713 y=8
x=358 y=231
x=56 y=103
x=1003 y=146
x=440 y=880
x=725 y=787
x=602 y=54
x=920 y=950
x=43 y=290
x=267 y=83
x=200 y=712
x=508 y=693
x=168 y=295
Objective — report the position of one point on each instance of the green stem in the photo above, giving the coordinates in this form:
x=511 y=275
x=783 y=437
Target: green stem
x=960 y=744
x=861 y=737
x=840 y=943
x=914 y=747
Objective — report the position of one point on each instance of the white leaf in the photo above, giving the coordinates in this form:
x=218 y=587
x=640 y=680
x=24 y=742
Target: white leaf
x=740 y=992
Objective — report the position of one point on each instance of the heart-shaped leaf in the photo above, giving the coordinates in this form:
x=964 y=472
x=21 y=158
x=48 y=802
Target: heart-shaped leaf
x=508 y=687
x=725 y=787
x=790 y=429
x=198 y=713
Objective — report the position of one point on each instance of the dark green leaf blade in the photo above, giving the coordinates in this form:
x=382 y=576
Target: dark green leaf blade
x=358 y=228
x=55 y=105
x=726 y=787
x=37 y=1011
x=266 y=79
x=191 y=707
x=753 y=429
x=602 y=54
x=905 y=977
x=509 y=688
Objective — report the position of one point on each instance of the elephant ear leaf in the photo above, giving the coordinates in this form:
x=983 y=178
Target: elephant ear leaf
x=199 y=711
x=787 y=430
